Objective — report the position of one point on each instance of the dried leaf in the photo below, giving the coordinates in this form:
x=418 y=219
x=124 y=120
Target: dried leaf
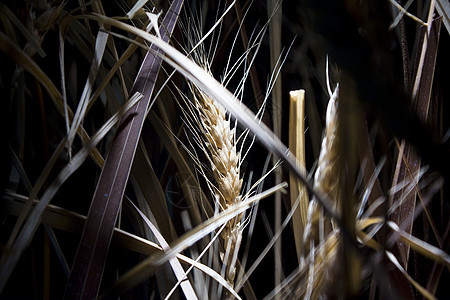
x=87 y=270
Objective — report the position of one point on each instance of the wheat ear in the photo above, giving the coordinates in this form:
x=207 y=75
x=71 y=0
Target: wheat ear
x=318 y=230
x=326 y=177
x=221 y=144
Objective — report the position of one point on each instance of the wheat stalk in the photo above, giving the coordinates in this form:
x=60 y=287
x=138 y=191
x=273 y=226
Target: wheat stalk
x=297 y=146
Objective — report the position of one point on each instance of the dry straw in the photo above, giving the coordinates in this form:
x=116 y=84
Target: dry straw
x=297 y=146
